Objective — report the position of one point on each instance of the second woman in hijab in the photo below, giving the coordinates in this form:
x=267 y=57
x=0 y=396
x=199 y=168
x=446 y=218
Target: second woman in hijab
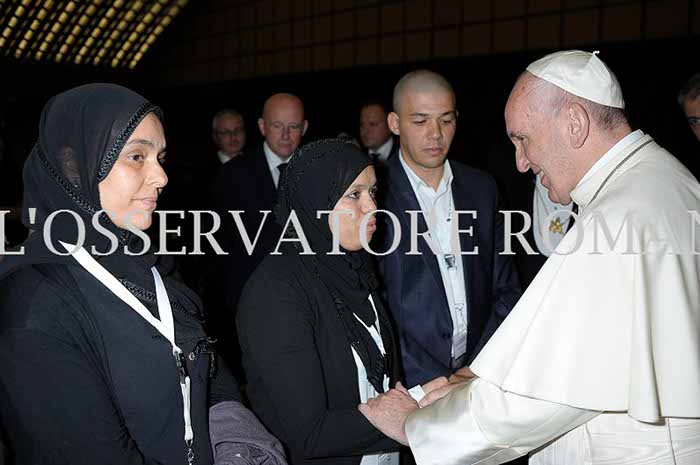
x=316 y=340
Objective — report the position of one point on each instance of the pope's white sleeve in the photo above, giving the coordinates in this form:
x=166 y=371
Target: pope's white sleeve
x=480 y=424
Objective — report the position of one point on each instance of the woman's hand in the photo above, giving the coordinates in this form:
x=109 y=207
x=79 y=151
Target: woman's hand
x=462 y=375
x=388 y=412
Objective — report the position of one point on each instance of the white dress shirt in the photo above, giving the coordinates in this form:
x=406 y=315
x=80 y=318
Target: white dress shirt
x=273 y=161
x=438 y=206
x=223 y=158
x=384 y=150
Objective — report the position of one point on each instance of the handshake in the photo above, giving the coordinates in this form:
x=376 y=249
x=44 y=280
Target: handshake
x=388 y=411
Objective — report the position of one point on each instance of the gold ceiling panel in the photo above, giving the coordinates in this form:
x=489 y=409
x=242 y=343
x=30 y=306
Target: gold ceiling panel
x=115 y=33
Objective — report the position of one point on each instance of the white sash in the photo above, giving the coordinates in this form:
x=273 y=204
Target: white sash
x=165 y=325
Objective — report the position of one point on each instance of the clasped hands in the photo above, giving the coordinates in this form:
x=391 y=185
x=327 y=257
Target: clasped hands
x=388 y=411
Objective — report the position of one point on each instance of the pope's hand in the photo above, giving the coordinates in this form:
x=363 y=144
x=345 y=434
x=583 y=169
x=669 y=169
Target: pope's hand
x=437 y=383
x=439 y=393
x=388 y=412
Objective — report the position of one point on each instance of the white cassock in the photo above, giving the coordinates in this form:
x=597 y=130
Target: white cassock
x=599 y=362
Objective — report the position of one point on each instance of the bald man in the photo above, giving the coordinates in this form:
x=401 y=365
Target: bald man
x=249 y=183
x=447 y=301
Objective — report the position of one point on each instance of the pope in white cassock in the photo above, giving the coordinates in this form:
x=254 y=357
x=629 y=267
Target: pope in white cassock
x=599 y=362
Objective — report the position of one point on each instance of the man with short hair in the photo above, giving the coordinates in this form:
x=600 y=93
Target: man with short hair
x=249 y=183
x=689 y=100
x=228 y=132
x=447 y=301
x=375 y=134
x=599 y=362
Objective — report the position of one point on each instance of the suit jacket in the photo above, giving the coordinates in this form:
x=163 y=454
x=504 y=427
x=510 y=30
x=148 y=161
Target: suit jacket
x=244 y=183
x=380 y=167
x=302 y=378
x=413 y=284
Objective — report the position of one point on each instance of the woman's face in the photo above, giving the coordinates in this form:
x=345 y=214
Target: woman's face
x=358 y=200
x=130 y=191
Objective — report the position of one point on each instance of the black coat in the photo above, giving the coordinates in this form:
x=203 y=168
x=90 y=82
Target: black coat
x=91 y=380
x=413 y=284
x=302 y=378
x=244 y=183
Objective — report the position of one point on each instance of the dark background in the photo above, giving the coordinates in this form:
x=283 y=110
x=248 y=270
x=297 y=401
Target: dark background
x=187 y=71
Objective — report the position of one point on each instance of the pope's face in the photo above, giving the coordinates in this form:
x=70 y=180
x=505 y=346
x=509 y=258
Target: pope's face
x=426 y=123
x=691 y=107
x=539 y=146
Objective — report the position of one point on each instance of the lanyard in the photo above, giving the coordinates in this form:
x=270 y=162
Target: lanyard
x=165 y=325
x=373 y=331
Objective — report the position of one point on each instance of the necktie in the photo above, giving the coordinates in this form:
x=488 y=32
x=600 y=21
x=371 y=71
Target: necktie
x=374 y=156
x=282 y=167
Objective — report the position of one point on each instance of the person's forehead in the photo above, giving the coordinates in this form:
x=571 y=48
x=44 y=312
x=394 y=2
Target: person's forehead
x=151 y=130
x=366 y=177
x=284 y=105
x=373 y=111
x=691 y=107
x=150 y=123
x=517 y=106
x=229 y=120
x=427 y=101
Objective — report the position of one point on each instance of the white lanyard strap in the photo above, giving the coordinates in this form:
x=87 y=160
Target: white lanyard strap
x=373 y=329
x=165 y=325
x=166 y=318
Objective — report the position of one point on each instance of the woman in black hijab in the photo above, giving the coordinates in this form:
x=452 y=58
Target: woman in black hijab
x=315 y=338
x=103 y=358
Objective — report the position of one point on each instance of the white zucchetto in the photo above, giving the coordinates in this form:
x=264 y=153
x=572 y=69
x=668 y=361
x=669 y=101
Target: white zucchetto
x=582 y=74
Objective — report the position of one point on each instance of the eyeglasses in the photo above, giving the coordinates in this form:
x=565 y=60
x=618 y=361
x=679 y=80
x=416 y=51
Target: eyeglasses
x=292 y=127
x=229 y=132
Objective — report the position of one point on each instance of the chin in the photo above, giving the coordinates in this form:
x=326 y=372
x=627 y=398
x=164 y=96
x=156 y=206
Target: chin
x=141 y=226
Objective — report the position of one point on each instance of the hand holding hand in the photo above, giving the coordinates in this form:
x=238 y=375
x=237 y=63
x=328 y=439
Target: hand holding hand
x=437 y=383
x=462 y=375
x=388 y=412
x=441 y=392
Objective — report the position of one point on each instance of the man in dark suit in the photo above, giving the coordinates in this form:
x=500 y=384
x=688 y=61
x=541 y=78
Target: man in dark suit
x=375 y=134
x=446 y=304
x=248 y=183
x=228 y=133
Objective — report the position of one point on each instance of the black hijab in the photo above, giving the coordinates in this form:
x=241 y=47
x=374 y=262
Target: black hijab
x=317 y=176
x=81 y=133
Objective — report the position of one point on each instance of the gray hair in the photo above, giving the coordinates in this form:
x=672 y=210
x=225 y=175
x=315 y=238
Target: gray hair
x=552 y=99
x=691 y=89
x=225 y=112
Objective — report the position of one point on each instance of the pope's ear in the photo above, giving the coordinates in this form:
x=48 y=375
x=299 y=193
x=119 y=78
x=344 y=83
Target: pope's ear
x=393 y=120
x=579 y=125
